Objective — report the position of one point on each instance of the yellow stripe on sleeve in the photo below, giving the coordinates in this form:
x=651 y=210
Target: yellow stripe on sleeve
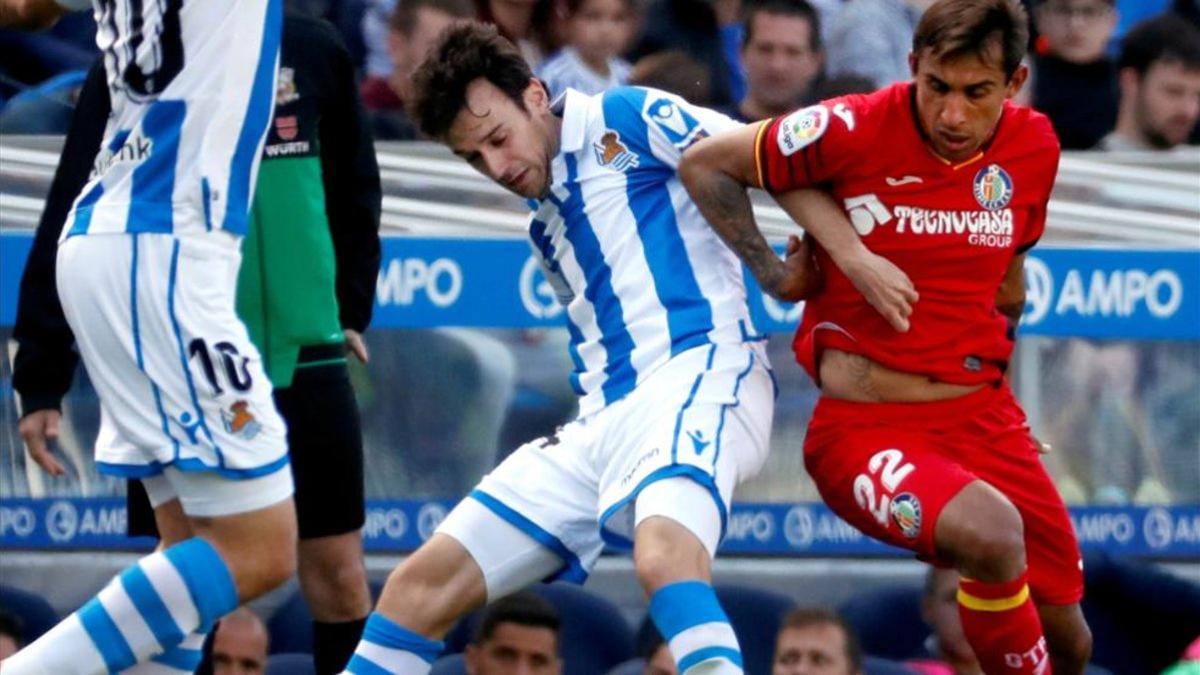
x=758 y=167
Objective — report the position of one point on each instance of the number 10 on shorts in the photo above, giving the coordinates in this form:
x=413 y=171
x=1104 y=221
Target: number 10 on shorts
x=889 y=468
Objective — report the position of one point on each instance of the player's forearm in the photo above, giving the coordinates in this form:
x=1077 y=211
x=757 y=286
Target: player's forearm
x=822 y=217
x=726 y=207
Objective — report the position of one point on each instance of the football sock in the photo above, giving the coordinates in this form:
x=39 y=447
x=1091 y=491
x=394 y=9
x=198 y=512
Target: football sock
x=1002 y=625
x=145 y=610
x=388 y=647
x=696 y=629
x=334 y=643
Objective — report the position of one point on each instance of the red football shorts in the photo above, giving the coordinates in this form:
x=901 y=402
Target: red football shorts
x=890 y=468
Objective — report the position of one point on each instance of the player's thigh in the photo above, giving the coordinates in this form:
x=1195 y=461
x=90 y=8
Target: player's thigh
x=325 y=447
x=700 y=434
x=533 y=517
x=892 y=483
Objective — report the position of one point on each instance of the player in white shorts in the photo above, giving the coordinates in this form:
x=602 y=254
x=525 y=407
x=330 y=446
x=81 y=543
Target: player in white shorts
x=146 y=271
x=676 y=395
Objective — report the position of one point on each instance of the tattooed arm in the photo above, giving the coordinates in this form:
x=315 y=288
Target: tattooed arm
x=716 y=173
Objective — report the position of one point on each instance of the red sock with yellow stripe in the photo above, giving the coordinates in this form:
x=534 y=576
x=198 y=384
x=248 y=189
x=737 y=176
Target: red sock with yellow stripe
x=1002 y=625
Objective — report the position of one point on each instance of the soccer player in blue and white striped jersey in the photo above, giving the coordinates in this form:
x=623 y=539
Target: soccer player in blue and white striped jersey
x=676 y=395
x=146 y=271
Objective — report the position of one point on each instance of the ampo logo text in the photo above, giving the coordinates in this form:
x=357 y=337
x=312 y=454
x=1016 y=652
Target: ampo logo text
x=441 y=281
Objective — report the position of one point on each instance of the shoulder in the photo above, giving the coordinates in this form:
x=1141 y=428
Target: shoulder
x=1030 y=132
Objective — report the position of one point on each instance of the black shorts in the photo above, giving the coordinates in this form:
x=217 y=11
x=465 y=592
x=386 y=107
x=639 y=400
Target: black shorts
x=324 y=444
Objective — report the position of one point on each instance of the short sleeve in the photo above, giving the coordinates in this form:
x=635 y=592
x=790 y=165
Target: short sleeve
x=673 y=125
x=1035 y=226
x=809 y=146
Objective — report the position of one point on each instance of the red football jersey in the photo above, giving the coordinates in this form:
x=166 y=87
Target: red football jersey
x=952 y=228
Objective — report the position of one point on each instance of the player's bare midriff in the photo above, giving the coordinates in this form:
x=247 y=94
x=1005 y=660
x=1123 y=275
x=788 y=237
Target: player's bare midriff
x=854 y=377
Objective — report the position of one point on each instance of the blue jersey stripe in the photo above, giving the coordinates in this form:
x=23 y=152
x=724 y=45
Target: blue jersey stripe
x=598 y=289
x=262 y=97
x=83 y=210
x=150 y=207
x=537 y=231
x=137 y=345
x=689 y=314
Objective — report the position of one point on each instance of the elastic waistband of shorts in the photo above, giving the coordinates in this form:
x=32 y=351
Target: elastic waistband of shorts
x=949 y=410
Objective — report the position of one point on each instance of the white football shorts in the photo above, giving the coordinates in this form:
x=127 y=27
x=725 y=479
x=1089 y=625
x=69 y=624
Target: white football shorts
x=675 y=447
x=179 y=380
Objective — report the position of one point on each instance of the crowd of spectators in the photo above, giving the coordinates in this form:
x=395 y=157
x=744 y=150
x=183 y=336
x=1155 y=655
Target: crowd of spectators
x=1111 y=74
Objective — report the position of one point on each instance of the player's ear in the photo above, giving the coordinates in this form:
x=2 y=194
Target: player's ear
x=1019 y=76
x=537 y=98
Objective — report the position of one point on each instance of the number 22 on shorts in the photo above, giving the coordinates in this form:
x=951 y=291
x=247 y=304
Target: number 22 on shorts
x=890 y=468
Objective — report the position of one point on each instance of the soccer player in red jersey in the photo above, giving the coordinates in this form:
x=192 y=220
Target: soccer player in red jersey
x=917 y=439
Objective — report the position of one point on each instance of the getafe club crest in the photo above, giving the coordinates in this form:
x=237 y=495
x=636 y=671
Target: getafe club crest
x=906 y=513
x=612 y=153
x=993 y=187
x=285 y=87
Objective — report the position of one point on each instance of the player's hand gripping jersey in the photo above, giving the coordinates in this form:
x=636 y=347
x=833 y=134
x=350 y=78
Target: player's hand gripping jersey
x=952 y=228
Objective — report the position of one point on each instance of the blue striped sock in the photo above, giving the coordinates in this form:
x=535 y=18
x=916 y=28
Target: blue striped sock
x=148 y=609
x=388 y=648
x=695 y=628
x=182 y=659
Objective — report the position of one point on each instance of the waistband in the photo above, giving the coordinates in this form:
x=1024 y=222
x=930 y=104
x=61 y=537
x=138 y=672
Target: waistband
x=949 y=410
x=313 y=355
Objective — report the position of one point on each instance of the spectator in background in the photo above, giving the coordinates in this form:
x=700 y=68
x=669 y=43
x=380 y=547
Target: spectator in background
x=1074 y=80
x=816 y=641
x=534 y=26
x=781 y=54
x=240 y=644
x=518 y=633
x=1159 y=78
x=842 y=85
x=872 y=38
x=597 y=31
x=414 y=27
x=947 y=645
x=10 y=635
x=676 y=72
x=708 y=31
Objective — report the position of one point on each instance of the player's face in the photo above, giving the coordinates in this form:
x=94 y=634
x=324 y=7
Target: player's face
x=510 y=145
x=960 y=99
x=515 y=649
x=1168 y=97
x=818 y=649
x=780 y=61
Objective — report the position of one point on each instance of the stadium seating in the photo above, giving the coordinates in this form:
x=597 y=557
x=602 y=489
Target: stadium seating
x=888 y=621
x=35 y=613
x=290 y=664
x=290 y=627
x=756 y=615
x=594 y=635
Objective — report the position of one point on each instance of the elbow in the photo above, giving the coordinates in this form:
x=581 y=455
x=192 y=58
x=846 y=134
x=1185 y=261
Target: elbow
x=697 y=166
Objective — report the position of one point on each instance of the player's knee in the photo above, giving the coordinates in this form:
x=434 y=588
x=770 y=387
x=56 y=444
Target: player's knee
x=989 y=540
x=666 y=562
x=339 y=588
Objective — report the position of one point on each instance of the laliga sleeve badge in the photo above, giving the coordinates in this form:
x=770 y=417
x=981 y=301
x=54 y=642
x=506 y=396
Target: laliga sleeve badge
x=993 y=187
x=906 y=513
x=802 y=128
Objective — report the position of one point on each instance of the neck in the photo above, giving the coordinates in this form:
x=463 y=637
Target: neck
x=515 y=18
x=754 y=109
x=1127 y=129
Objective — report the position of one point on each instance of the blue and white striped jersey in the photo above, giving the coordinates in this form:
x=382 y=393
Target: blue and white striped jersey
x=192 y=84
x=641 y=273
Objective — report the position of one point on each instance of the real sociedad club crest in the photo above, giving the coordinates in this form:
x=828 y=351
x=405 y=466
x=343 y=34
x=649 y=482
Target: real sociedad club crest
x=993 y=187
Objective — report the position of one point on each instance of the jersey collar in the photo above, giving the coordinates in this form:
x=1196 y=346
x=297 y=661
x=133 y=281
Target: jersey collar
x=571 y=106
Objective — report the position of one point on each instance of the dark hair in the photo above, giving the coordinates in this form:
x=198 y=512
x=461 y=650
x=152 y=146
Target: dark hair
x=951 y=28
x=523 y=608
x=463 y=54
x=1164 y=38
x=795 y=8
x=404 y=19
x=11 y=625
x=803 y=617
